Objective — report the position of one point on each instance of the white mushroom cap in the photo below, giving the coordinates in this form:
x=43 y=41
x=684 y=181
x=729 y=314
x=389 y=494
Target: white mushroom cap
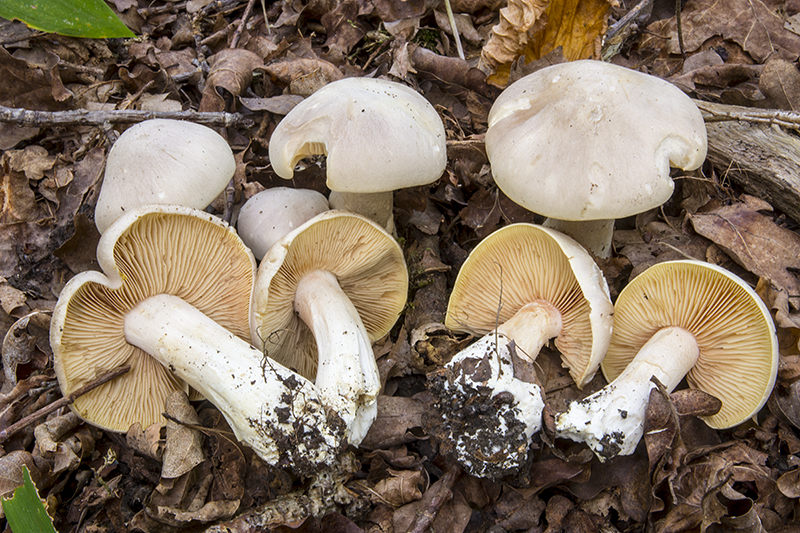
x=323 y=294
x=589 y=140
x=378 y=136
x=269 y=215
x=172 y=303
x=523 y=263
x=678 y=319
x=150 y=250
x=163 y=162
x=735 y=334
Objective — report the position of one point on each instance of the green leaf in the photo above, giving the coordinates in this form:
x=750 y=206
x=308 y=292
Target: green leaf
x=74 y=18
x=25 y=511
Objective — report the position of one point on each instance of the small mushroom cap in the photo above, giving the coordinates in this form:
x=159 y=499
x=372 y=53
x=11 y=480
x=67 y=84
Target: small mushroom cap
x=522 y=263
x=151 y=250
x=589 y=140
x=378 y=136
x=163 y=162
x=738 y=359
x=367 y=262
x=269 y=215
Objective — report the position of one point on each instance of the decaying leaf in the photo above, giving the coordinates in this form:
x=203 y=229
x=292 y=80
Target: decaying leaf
x=230 y=75
x=532 y=28
x=754 y=241
x=752 y=24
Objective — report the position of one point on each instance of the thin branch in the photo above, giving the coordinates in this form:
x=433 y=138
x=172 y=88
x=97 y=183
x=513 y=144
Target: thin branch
x=27 y=117
x=46 y=410
x=247 y=11
x=425 y=519
x=779 y=117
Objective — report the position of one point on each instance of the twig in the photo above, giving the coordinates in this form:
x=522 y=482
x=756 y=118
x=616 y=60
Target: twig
x=71 y=397
x=680 y=28
x=778 y=117
x=238 y=33
x=452 y=19
x=425 y=519
x=27 y=117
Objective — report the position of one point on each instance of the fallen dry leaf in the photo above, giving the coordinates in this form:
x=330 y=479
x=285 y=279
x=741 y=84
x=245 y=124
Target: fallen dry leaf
x=754 y=241
x=533 y=28
x=752 y=24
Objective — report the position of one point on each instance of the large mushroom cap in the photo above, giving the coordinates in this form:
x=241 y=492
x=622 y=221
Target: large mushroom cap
x=589 y=140
x=151 y=250
x=738 y=358
x=522 y=263
x=367 y=262
x=378 y=136
x=163 y=162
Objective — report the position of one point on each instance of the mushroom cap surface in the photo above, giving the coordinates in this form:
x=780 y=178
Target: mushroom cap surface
x=150 y=250
x=734 y=331
x=367 y=262
x=522 y=263
x=163 y=161
x=589 y=140
x=378 y=136
x=269 y=215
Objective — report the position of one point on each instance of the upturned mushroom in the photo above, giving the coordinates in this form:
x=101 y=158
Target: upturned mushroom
x=378 y=136
x=270 y=214
x=163 y=161
x=522 y=286
x=172 y=302
x=323 y=294
x=586 y=142
x=678 y=319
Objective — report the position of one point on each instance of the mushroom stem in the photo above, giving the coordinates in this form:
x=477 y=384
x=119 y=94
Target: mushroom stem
x=377 y=206
x=594 y=235
x=611 y=421
x=347 y=374
x=265 y=403
x=532 y=326
x=492 y=440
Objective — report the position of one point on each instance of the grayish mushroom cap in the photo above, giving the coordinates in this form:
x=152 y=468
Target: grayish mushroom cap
x=589 y=140
x=163 y=162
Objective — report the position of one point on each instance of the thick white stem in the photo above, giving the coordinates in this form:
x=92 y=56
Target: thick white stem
x=611 y=421
x=532 y=327
x=377 y=206
x=267 y=405
x=347 y=374
x=594 y=235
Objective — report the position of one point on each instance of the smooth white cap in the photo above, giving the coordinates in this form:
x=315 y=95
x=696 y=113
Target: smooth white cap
x=589 y=140
x=167 y=162
x=378 y=136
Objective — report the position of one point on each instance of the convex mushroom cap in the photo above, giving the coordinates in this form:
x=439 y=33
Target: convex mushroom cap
x=523 y=284
x=174 y=304
x=378 y=136
x=678 y=319
x=592 y=141
x=163 y=161
x=269 y=215
x=323 y=294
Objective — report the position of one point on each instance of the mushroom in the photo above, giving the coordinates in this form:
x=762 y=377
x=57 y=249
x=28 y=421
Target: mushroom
x=587 y=142
x=163 y=161
x=270 y=214
x=323 y=294
x=173 y=303
x=520 y=287
x=678 y=319
x=378 y=136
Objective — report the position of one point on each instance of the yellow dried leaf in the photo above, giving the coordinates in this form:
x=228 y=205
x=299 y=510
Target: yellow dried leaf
x=532 y=28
